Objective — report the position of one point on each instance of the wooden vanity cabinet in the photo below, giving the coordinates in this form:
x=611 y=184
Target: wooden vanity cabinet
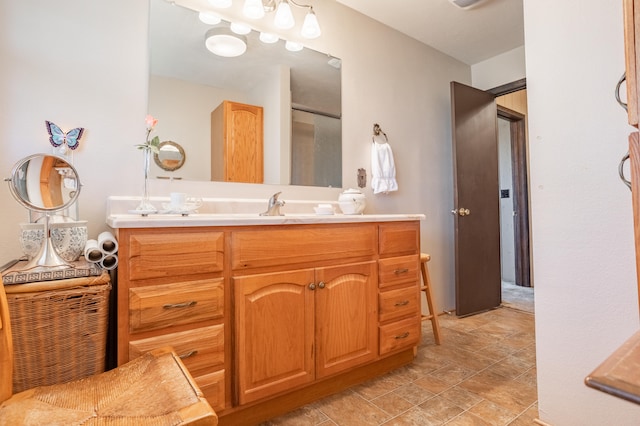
x=272 y=317
x=171 y=292
x=399 y=282
x=294 y=326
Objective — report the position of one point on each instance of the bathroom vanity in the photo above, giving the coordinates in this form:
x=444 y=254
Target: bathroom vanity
x=270 y=313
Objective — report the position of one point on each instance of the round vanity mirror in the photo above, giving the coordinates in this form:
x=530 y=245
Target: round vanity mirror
x=47 y=184
x=44 y=183
x=170 y=156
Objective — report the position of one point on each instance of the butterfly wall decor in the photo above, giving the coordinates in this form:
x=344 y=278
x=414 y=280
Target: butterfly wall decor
x=57 y=137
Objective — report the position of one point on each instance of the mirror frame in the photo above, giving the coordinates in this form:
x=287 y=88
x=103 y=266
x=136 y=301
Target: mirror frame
x=159 y=163
x=15 y=191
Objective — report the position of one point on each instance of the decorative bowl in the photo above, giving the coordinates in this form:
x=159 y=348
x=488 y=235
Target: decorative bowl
x=68 y=238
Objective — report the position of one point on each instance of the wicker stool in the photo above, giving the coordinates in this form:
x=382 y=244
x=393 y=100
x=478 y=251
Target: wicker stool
x=426 y=288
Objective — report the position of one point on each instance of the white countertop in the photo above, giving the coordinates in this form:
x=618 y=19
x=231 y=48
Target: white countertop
x=235 y=212
x=242 y=219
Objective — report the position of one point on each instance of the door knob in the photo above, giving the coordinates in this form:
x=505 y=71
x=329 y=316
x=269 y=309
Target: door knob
x=461 y=212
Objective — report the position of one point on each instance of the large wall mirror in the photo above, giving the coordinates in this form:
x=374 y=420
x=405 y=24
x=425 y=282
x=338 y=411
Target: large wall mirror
x=299 y=91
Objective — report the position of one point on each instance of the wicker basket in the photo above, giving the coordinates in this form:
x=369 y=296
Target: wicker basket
x=59 y=330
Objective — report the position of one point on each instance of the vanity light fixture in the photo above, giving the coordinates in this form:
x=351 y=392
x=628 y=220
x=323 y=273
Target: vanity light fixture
x=253 y=9
x=283 y=19
x=223 y=42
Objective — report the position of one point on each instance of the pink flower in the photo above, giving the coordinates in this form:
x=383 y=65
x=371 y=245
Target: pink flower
x=150 y=122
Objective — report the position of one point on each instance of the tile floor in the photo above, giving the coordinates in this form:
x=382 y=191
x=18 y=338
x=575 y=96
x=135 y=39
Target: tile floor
x=484 y=373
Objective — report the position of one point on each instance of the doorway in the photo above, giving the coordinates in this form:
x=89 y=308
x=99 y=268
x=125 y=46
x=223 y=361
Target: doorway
x=478 y=193
x=517 y=282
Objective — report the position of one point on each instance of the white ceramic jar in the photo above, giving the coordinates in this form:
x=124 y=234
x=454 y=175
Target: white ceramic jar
x=352 y=201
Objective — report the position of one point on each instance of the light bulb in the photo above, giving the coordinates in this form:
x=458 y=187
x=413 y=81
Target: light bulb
x=310 y=26
x=209 y=18
x=284 y=18
x=253 y=9
x=268 y=38
x=240 y=28
x=292 y=46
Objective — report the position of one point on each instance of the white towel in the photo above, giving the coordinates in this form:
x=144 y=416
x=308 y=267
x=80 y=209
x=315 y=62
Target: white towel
x=383 y=169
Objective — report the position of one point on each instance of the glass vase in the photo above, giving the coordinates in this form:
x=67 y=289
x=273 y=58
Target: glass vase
x=145 y=205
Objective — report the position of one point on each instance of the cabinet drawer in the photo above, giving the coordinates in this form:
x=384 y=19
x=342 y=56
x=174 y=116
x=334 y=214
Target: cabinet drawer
x=168 y=254
x=167 y=305
x=271 y=247
x=212 y=387
x=201 y=349
x=399 y=303
x=399 y=335
x=398 y=270
x=399 y=238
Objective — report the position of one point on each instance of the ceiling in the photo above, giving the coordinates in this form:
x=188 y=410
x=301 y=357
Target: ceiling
x=471 y=35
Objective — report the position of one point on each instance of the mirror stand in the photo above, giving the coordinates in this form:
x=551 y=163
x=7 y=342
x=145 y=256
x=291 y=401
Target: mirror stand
x=45 y=184
x=47 y=256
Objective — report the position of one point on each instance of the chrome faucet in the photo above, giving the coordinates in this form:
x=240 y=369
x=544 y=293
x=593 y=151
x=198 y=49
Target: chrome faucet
x=274 y=206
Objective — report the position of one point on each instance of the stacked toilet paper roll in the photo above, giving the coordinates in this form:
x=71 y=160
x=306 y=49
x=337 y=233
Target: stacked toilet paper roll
x=102 y=251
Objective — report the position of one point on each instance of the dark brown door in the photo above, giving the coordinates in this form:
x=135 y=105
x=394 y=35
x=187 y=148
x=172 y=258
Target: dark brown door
x=476 y=202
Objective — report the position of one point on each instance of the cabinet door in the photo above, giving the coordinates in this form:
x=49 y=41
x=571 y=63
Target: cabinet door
x=274 y=329
x=346 y=317
x=237 y=133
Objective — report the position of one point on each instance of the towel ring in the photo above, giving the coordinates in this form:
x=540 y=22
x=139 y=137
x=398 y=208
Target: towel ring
x=377 y=131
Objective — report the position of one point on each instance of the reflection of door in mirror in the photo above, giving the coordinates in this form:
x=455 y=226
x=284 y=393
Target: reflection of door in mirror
x=316 y=145
x=237 y=143
x=50 y=186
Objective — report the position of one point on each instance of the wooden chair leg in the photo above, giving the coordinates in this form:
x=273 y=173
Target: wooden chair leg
x=426 y=288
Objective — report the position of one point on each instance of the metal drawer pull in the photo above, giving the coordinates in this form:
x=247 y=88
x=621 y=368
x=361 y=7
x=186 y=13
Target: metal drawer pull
x=188 y=354
x=180 y=305
x=403 y=335
x=401 y=271
x=622 y=79
x=621 y=170
x=403 y=303
x=321 y=284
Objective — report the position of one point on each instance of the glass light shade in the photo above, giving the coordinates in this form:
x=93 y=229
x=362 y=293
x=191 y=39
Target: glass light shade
x=268 y=38
x=292 y=46
x=253 y=9
x=284 y=17
x=209 y=18
x=223 y=42
x=240 y=28
x=220 y=3
x=310 y=26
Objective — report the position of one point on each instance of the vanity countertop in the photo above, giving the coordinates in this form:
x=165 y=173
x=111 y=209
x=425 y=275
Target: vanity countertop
x=235 y=212
x=242 y=219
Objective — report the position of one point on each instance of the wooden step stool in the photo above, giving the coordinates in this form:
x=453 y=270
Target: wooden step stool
x=426 y=288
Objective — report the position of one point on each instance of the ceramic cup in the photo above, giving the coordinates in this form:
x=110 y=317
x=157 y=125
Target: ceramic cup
x=178 y=200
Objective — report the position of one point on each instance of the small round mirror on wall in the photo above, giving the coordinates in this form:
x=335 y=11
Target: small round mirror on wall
x=46 y=184
x=170 y=156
